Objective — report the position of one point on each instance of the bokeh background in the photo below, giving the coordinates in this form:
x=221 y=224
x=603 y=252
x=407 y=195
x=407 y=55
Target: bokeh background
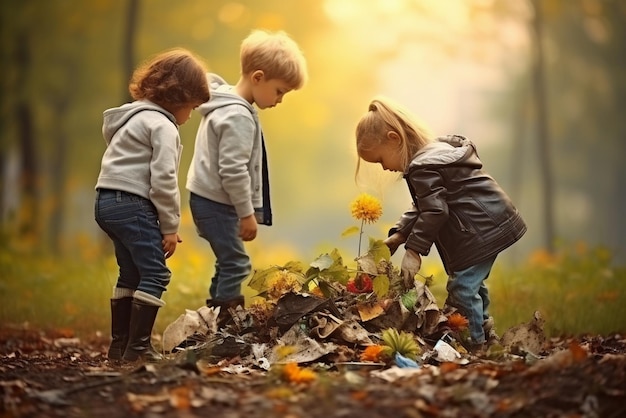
x=539 y=86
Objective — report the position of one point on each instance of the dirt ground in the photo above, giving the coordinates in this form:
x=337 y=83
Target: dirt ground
x=54 y=374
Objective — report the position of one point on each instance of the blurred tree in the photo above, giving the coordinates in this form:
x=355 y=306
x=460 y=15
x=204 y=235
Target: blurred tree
x=586 y=84
x=61 y=63
x=18 y=122
x=28 y=222
x=542 y=132
x=46 y=50
x=584 y=88
x=128 y=44
x=64 y=62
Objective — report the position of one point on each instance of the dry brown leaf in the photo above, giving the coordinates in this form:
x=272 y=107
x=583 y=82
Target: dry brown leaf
x=180 y=398
x=370 y=310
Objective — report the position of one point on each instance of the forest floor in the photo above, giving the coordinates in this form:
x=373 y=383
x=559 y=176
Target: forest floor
x=54 y=374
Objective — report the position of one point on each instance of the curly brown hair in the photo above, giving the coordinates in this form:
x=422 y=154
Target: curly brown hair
x=172 y=78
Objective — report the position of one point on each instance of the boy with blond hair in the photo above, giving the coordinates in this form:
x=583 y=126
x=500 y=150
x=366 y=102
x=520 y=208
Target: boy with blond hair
x=228 y=177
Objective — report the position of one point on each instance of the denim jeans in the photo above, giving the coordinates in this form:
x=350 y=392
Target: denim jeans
x=131 y=222
x=219 y=225
x=467 y=292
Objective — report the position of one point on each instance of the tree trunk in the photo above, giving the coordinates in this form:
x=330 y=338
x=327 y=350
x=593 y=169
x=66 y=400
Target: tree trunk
x=128 y=46
x=29 y=213
x=544 y=157
x=59 y=179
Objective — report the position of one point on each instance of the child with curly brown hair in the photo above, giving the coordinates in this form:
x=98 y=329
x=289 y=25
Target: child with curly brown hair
x=137 y=194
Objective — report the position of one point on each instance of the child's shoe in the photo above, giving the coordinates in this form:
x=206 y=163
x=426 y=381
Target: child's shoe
x=477 y=349
x=224 y=317
x=490 y=333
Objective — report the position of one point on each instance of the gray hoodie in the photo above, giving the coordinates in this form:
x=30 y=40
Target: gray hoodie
x=142 y=157
x=227 y=159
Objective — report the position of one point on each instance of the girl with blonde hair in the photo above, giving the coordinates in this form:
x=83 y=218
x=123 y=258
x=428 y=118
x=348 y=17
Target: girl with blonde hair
x=457 y=206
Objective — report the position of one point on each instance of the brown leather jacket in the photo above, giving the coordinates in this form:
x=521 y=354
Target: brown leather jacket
x=457 y=206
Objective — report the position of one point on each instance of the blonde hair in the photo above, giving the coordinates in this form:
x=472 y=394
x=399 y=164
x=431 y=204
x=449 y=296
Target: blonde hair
x=384 y=115
x=276 y=54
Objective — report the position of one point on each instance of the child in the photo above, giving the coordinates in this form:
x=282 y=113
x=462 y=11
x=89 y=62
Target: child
x=138 y=200
x=456 y=205
x=227 y=179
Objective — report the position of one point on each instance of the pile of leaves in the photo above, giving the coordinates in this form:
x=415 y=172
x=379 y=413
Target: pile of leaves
x=325 y=313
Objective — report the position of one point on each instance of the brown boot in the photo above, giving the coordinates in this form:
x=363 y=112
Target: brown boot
x=477 y=349
x=224 y=316
x=490 y=332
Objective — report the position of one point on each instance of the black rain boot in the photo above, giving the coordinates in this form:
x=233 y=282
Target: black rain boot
x=141 y=322
x=120 y=323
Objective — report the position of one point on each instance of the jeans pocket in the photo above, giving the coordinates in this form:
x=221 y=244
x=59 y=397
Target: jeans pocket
x=126 y=230
x=206 y=226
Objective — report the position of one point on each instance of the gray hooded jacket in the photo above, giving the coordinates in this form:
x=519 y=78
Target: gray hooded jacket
x=227 y=160
x=457 y=206
x=142 y=157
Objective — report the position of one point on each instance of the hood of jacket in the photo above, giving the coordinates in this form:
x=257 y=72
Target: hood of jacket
x=449 y=150
x=115 y=118
x=221 y=95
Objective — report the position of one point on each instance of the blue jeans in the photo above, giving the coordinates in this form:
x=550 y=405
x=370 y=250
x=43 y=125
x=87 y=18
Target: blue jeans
x=131 y=222
x=219 y=225
x=467 y=292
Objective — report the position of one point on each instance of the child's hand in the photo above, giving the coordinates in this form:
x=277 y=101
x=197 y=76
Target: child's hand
x=169 y=244
x=394 y=241
x=248 y=228
x=411 y=264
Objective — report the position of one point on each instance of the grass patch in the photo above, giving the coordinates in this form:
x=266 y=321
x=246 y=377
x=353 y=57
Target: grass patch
x=577 y=290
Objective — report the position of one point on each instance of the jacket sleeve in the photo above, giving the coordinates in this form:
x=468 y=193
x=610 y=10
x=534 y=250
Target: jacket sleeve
x=164 y=192
x=429 y=196
x=405 y=223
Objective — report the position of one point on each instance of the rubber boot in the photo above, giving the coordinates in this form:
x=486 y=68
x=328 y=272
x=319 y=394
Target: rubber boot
x=141 y=322
x=120 y=323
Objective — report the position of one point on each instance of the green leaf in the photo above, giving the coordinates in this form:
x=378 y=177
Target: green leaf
x=336 y=273
x=328 y=267
x=379 y=250
x=259 y=278
x=409 y=299
x=381 y=285
x=311 y=275
x=322 y=262
x=353 y=230
x=294 y=267
x=327 y=290
x=263 y=294
x=336 y=256
x=428 y=280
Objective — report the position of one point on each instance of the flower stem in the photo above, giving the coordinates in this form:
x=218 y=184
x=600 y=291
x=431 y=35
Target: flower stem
x=360 y=235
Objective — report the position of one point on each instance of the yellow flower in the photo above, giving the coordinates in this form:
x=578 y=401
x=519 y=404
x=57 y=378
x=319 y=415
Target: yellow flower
x=366 y=208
